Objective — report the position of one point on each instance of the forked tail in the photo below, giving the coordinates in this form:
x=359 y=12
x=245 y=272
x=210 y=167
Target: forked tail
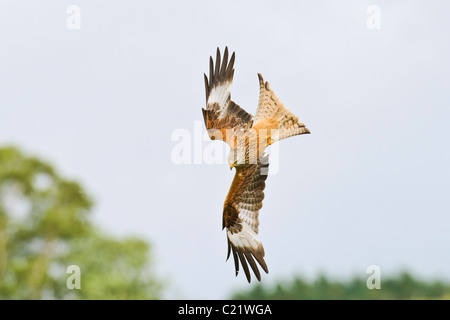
x=272 y=114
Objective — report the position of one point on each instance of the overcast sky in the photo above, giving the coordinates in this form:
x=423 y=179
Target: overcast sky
x=370 y=185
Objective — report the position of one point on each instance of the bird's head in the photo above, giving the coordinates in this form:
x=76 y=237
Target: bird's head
x=232 y=161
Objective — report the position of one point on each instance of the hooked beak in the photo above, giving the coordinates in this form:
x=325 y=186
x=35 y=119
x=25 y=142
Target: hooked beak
x=232 y=165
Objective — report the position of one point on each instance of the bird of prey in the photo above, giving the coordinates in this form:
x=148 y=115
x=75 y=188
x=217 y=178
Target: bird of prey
x=248 y=136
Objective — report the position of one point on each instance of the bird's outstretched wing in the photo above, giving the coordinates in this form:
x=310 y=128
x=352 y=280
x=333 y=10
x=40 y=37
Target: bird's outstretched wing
x=221 y=112
x=240 y=216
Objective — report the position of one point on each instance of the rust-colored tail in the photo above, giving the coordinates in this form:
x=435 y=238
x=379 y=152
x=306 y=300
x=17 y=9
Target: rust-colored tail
x=272 y=114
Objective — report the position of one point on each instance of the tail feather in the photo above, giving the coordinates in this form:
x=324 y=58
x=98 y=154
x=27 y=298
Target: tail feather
x=272 y=114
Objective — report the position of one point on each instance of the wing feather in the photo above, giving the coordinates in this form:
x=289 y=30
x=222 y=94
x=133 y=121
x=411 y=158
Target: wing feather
x=240 y=217
x=236 y=261
x=252 y=263
x=221 y=112
x=244 y=265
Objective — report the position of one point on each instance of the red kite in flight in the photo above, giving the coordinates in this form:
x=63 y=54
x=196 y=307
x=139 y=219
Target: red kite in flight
x=248 y=137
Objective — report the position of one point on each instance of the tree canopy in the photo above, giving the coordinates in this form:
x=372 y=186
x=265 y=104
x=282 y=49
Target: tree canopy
x=396 y=287
x=46 y=226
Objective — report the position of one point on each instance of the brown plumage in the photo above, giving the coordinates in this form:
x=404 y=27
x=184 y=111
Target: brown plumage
x=248 y=138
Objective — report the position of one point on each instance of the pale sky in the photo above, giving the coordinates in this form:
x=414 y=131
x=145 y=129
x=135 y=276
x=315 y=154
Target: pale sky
x=370 y=185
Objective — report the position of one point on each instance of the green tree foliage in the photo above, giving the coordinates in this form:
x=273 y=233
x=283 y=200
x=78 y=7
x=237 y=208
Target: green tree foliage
x=403 y=286
x=45 y=227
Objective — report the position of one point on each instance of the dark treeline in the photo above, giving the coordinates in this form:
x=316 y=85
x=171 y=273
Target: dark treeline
x=402 y=286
